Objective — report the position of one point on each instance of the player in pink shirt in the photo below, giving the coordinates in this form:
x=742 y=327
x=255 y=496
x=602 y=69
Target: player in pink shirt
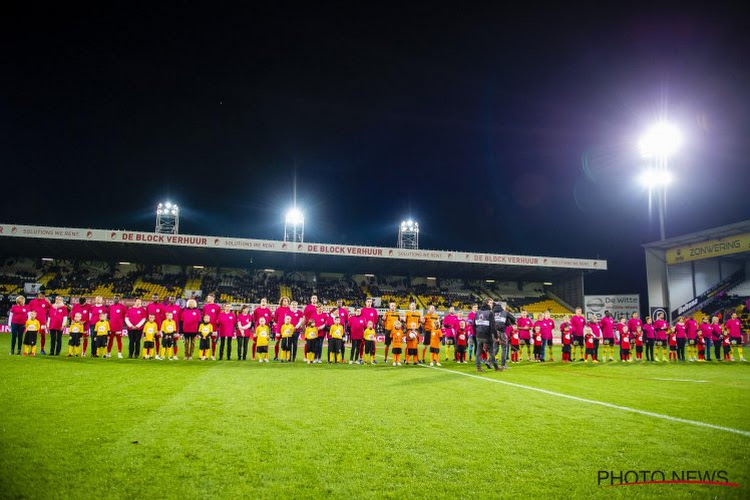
x=227 y=324
x=691 y=326
x=212 y=310
x=58 y=319
x=117 y=312
x=17 y=317
x=171 y=307
x=244 y=325
x=262 y=311
x=525 y=324
x=577 y=322
x=649 y=338
x=41 y=306
x=634 y=322
x=135 y=318
x=661 y=330
x=733 y=327
x=357 y=326
x=707 y=333
x=680 y=331
x=607 y=326
x=548 y=325
x=298 y=319
x=191 y=319
x=311 y=309
x=97 y=309
x=157 y=309
x=281 y=312
x=596 y=333
x=369 y=313
x=82 y=308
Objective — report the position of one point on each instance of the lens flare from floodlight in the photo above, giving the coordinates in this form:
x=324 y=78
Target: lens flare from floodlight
x=655 y=178
x=662 y=140
x=410 y=222
x=295 y=216
x=168 y=205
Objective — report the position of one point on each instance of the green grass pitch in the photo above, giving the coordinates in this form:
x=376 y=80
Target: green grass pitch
x=109 y=428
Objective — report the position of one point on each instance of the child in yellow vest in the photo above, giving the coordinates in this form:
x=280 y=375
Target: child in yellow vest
x=168 y=330
x=205 y=331
x=150 y=329
x=101 y=329
x=75 y=331
x=32 y=329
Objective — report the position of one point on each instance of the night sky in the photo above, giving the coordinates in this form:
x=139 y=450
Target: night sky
x=498 y=130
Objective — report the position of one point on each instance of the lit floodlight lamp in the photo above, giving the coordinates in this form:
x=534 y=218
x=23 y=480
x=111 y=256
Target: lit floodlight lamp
x=294 y=225
x=167 y=218
x=662 y=140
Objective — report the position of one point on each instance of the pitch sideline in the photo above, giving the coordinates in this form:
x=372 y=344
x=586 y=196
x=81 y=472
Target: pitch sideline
x=600 y=403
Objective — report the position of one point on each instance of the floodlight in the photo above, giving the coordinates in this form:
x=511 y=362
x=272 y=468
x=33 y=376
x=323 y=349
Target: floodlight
x=662 y=140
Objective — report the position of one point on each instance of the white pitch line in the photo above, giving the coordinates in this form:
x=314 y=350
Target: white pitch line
x=600 y=403
x=680 y=380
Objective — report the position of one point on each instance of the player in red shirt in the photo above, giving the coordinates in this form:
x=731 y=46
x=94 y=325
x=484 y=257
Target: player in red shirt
x=700 y=343
x=727 y=343
x=514 y=336
x=625 y=341
x=590 y=344
x=639 y=343
x=672 y=339
x=538 y=338
x=462 y=340
x=41 y=306
x=116 y=317
x=566 y=337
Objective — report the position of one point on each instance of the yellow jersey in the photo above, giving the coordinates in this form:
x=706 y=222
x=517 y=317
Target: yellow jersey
x=33 y=325
x=287 y=330
x=311 y=332
x=168 y=326
x=261 y=336
x=101 y=328
x=206 y=329
x=390 y=318
x=76 y=327
x=369 y=334
x=149 y=331
x=336 y=332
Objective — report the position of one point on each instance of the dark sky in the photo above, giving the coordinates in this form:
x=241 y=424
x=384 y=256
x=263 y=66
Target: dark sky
x=499 y=130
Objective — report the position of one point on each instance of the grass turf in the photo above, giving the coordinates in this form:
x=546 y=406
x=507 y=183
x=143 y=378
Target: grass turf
x=83 y=428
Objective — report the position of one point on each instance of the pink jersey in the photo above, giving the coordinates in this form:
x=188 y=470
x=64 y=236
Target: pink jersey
x=648 y=331
x=470 y=323
x=620 y=327
x=680 y=331
x=278 y=317
x=213 y=310
x=56 y=317
x=41 y=307
x=524 y=328
x=191 y=318
x=19 y=314
x=244 y=322
x=547 y=326
x=175 y=310
x=451 y=320
x=733 y=325
x=595 y=330
x=633 y=324
x=357 y=327
x=261 y=312
x=660 y=327
x=83 y=310
x=117 y=314
x=95 y=311
x=716 y=329
x=296 y=317
x=157 y=309
x=343 y=316
x=310 y=311
x=706 y=331
x=137 y=317
x=577 y=323
x=227 y=323
x=692 y=328
x=370 y=314
x=607 y=325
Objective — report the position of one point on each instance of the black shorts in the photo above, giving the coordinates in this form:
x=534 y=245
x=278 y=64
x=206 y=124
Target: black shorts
x=514 y=347
x=590 y=351
x=566 y=348
x=608 y=341
x=336 y=345
x=262 y=349
x=205 y=343
x=460 y=349
x=524 y=341
x=167 y=341
x=148 y=344
x=310 y=344
x=426 y=340
x=577 y=339
x=624 y=352
x=387 y=339
x=673 y=348
x=434 y=350
x=548 y=342
x=396 y=350
x=412 y=351
x=75 y=339
x=286 y=343
x=537 y=349
x=189 y=336
x=29 y=338
x=639 y=349
x=369 y=347
x=449 y=341
x=735 y=340
x=101 y=341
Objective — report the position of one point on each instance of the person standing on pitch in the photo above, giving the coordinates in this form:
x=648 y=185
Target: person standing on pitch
x=503 y=319
x=484 y=332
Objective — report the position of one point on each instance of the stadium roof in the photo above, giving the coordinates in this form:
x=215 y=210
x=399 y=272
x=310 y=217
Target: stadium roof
x=140 y=247
x=716 y=233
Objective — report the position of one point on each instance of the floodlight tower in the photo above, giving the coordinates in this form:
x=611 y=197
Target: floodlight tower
x=294 y=225
x=408 y=235
x=167 y=218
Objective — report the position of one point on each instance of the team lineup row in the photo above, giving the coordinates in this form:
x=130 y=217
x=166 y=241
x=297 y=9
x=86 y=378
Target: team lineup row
x=159 y=326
